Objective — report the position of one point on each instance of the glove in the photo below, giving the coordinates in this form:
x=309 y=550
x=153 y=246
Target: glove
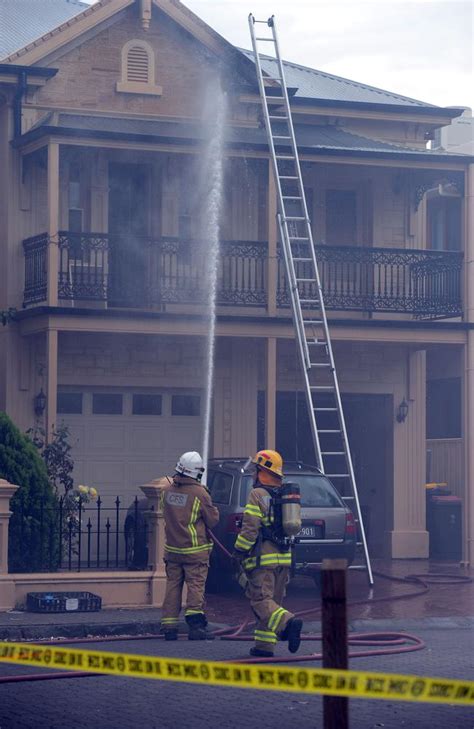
x=237 y=558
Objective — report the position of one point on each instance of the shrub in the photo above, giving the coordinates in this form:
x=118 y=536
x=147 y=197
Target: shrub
x=33 y=535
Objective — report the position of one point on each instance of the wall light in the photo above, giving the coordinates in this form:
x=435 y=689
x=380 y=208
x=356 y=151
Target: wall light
x=402 y=411
x=40 y=403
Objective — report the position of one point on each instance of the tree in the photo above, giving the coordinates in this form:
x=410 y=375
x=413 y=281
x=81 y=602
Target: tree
x=34 y=524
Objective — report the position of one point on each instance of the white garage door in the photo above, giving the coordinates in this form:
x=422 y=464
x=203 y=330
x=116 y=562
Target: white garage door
x=123 y=438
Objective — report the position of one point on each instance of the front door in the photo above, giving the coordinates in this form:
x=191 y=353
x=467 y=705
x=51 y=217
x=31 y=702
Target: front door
x=128 y=227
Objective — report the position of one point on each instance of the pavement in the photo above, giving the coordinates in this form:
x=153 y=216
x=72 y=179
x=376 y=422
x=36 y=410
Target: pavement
x=121 y=703
x=445 y=605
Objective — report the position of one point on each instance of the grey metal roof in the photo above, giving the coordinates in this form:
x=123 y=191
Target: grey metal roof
x=314 y=84
x=310 y=138
x=24 y=21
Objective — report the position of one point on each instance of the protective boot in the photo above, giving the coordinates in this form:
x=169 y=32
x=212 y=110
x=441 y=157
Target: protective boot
x=198 y=627
x=292 y=634
x=171 y=635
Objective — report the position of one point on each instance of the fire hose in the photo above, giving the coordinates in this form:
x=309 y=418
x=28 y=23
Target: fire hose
x=382 y=643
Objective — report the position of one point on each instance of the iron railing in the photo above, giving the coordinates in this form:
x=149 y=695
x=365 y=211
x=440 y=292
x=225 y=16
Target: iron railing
x=93 y=535
x=424 y=283
x=137 y=272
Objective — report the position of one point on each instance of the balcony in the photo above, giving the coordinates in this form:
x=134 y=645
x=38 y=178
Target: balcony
x=148 y=273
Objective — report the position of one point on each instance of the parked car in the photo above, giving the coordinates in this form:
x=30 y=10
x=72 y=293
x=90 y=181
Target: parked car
x=328 y=526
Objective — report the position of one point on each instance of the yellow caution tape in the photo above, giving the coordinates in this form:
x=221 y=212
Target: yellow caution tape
x=360 y=684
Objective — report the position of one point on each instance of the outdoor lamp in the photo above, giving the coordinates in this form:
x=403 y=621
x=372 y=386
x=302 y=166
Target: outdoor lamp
x=40 y=403
x=402 y=411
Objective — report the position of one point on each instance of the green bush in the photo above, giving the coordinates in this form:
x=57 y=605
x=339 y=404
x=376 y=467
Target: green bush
x=34 y=525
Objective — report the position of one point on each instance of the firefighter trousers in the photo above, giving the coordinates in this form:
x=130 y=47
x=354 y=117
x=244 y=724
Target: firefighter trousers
x=266 y=590
x=194 y=575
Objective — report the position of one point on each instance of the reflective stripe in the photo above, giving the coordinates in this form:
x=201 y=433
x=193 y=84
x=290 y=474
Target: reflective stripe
x=275 y=618
x=274 y=559
x=167 y=621
x=188 y=550
x=243 y=543
x=265 y=636
x=253 y=510
x=192 y=521
x=194 y=612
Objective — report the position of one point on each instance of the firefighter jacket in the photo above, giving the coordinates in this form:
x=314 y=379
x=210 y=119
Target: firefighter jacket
x=259 y=552
x=188 y=513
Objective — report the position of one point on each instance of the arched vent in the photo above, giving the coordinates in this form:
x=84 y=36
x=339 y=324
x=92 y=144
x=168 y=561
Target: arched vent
x=138 y=65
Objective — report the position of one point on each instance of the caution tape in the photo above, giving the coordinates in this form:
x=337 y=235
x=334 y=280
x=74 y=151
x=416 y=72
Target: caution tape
x=356 y=684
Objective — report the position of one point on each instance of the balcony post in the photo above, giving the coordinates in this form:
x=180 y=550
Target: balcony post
x=270 y=394
x=53 y=222
x=468 y=373
x=51 y=381
x=272 y=262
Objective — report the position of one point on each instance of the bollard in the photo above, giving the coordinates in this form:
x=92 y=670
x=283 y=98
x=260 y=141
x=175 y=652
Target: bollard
x=334 y=626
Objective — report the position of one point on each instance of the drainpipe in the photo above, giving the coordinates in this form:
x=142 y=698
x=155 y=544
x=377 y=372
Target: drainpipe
x=17 y=103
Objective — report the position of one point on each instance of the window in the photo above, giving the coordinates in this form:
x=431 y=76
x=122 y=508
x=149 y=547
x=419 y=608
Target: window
x=107 y=403
x=69 y=403
x=220 y=486
x=138 y=69
x=341 y=217
x=186 y=405
x=443 y=408
x=145 y=404
x=444 y=223
x=316 y=491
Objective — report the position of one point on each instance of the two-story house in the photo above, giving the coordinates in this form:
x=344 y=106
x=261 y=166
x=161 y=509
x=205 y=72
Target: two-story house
x=101 y=138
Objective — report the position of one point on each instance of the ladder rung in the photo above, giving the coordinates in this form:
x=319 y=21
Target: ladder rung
x=335 y=431
x=291 y=197
x=309 y=301
x=347 y=498
x=303 y=260
x=357 y=567
x=321 y=387
x=272 y=117
x=288 y=177
x=294 y=217
x=280 y=136
x=306 y=280
x=298 y=237
x=284 y=156
x=265 y=39
x=314 y=321
x=320 y=364
x=326 y=410
x=275 y=99
x=333 y=453
x=337 y=475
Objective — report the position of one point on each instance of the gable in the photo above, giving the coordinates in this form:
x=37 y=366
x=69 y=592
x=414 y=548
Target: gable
x=91 y=72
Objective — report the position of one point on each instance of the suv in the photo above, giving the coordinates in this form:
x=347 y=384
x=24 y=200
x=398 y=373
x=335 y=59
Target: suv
x=328 y=525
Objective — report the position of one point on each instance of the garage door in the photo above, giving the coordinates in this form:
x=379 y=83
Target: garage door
x=123 y=438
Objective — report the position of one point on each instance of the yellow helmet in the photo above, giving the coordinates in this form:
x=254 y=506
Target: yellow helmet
x=269 y=461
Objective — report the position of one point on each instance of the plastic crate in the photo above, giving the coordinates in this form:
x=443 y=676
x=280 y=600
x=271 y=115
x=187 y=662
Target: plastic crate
x=63 y=602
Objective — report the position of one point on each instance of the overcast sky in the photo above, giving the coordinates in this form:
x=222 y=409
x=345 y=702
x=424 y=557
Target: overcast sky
x=418 y=48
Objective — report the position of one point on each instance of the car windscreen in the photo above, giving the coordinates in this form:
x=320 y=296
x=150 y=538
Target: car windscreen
x=316 y=491
x=220 y=485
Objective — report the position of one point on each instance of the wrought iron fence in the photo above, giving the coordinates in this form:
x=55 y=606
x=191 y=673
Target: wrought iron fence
x=92 y=535
x=140 y=272
x=424 y=283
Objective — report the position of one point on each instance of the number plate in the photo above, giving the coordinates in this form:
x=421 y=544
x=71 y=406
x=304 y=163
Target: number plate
x=311 y=532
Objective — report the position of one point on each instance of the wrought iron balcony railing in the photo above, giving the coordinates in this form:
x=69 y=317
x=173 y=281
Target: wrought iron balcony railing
x=136 y=272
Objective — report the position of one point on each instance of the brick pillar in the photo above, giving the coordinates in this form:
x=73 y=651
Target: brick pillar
x=156 y=539
x=7 y=586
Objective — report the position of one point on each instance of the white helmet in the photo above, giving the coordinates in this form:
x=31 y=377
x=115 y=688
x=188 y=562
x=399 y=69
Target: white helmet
x=191 y=465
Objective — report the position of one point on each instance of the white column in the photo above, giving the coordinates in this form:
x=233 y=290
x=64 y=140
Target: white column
x=409 y=537
x=53 y=222
x=270 y=394
x=51 y=381
x=468 y=378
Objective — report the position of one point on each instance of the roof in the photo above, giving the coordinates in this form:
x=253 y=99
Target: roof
x=23 y=21
x=313 y=84
x=312 y=139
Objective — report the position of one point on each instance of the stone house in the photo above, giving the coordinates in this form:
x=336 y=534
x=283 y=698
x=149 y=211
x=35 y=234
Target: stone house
x=101 y=137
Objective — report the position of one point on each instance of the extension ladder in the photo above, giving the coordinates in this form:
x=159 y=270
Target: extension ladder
x=304 y=287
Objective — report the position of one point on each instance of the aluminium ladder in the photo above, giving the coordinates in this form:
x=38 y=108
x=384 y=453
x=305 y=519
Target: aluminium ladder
x=304 y=287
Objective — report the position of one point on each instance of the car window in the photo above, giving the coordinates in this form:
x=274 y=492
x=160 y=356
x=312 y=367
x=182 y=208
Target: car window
x=316 y=491
x=220 y=486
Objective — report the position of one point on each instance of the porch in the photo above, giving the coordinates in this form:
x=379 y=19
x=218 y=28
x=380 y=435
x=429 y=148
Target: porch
x=152 y=273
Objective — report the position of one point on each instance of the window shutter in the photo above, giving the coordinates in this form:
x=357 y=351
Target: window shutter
x=137 y=65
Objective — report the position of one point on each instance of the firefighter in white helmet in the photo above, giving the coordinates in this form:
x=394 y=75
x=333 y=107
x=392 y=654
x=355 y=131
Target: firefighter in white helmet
x=265 y=560
x=188 y=514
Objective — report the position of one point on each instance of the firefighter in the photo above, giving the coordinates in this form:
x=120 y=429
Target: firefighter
x=188 y=513
x=266 y=563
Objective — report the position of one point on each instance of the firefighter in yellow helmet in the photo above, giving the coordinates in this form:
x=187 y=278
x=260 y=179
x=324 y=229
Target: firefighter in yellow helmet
x=266 y=563
x=188 y=514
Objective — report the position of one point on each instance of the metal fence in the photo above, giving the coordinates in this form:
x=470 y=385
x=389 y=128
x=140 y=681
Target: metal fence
x=96 y=535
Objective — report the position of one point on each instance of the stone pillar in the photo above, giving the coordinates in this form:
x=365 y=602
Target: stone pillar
x=409 y=537
x=270 y=394
x=468 y=373
x=244 y=388
x=53 y=222
x=156 y=540
x=51 y=381
x=272 y=243
x=7 y=586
